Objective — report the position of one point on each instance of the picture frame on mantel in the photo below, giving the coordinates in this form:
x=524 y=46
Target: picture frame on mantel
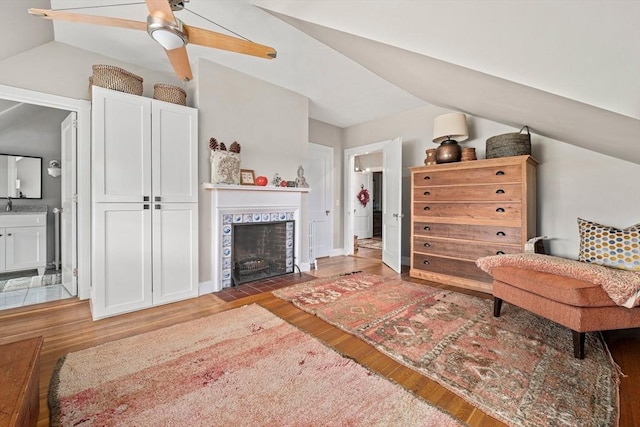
x=247 y=177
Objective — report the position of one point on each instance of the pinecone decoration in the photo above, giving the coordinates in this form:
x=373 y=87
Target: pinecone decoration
x=223 y=147
x=235 y=147
x=213 y=143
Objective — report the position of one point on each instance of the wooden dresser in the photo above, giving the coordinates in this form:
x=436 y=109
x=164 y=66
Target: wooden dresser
x=464 y=211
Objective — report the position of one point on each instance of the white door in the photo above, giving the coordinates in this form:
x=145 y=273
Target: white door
x=68 y=220
x=174 y=152
x=121 y=147
x=175 y=252
x=122 y=261
x=392 y=203
x=319 y=174
x=362 y=215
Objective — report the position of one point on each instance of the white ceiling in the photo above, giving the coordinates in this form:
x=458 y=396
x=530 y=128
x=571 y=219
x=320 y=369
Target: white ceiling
x=584 y=53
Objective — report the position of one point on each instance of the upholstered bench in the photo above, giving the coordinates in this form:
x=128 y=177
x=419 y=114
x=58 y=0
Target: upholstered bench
x=577 y=304
x=582 y=296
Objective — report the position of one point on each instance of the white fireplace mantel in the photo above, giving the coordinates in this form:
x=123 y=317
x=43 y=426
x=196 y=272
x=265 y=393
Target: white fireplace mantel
x=231 y=204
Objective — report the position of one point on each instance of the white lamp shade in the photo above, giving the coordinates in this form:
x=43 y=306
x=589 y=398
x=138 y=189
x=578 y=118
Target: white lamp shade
x=450 y=126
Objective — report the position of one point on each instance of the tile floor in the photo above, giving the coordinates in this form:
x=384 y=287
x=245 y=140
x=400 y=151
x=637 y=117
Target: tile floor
x=30 y=296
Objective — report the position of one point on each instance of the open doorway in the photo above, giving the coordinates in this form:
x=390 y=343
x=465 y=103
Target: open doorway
x=64 y=117
x=367 y=188
x=391 y=197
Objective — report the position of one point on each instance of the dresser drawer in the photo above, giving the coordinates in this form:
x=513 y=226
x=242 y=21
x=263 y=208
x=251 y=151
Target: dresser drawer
x=487 y=175
x=435 y=264
x=484 y=233
x=462 y=249
x=493 y=211
x=489 y=192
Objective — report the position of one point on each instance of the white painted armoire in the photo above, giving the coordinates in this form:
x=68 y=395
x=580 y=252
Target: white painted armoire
x=144 y=202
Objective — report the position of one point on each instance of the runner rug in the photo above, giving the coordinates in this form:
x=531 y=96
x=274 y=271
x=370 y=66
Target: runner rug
x=244 y=367
x=518 y=367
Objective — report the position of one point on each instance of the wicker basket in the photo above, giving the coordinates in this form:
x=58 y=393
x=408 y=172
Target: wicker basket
x=116 y=78
x=170 y=93
x=509 y=144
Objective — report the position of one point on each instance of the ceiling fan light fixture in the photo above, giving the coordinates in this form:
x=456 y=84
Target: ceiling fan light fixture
x=169 y=35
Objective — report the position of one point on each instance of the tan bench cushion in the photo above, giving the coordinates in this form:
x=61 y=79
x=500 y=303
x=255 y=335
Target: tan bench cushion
x=557 y=288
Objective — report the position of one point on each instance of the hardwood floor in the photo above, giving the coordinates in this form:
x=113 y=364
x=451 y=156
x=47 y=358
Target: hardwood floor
x=67 y=326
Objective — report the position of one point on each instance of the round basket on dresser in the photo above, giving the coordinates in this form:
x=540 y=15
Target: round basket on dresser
x=169 y=93
x=116 y=78
x=509 y=144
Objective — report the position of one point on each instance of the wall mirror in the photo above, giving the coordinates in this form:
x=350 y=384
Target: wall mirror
x=20 y=177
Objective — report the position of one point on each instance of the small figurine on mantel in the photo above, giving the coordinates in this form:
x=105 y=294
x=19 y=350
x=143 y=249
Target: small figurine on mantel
x=276 y=180
x=301 y=181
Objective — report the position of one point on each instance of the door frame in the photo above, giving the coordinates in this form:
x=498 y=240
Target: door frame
x=83 y=111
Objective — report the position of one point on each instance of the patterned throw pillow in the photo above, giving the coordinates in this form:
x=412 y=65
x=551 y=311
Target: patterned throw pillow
x=609 y=246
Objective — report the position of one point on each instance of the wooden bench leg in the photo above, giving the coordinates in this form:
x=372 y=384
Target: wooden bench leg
x=497 y=306
x=578 y=344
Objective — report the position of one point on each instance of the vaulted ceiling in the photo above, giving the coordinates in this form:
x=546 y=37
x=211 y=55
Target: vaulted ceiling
x=570 y=69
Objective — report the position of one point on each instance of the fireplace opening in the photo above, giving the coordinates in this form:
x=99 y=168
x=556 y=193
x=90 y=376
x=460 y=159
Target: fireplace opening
x=262 y=250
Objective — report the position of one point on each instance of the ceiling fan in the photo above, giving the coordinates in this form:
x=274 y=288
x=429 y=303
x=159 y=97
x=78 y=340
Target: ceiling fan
x=171 y=33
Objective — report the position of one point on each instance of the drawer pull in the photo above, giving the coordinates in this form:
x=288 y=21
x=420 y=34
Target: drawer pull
x=500 y=173
x=425 y=262
x=145 y=198
x=499 y=253
x=427 y=193
x=426 y=208
x=426 y=245
x=500 y=210
x=427 y=228
x=8 y=234
x=145 y=207
x=500 y=233
x=500 y=191
x=426 y=177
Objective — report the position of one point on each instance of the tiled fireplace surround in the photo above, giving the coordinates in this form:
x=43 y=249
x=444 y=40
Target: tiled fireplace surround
x=232 y=204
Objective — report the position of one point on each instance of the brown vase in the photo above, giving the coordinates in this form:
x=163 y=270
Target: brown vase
x=448 y=152
x=431 y=157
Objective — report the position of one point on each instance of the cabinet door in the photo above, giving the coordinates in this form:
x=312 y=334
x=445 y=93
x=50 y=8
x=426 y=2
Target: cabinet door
x=175 y=252
x=121 y=133
x=121 y=258
x=174 y=152
x=26 y=248
x=2 y=250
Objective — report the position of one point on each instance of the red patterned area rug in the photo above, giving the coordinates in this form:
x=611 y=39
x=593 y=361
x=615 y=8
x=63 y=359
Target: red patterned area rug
x=518 y=367
x=244 y=367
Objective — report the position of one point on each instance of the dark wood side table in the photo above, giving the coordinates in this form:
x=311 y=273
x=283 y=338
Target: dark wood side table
x=19 y=382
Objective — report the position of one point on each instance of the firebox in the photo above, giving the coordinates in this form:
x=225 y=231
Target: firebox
x=262 y=250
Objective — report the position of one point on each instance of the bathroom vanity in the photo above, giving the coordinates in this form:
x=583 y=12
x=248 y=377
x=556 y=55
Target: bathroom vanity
x=23 y=239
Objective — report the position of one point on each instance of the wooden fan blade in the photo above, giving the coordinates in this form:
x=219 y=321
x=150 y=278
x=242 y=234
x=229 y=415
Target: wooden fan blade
x=216 y=40
x=180 y=63
x=161 y=9
x=88 y=19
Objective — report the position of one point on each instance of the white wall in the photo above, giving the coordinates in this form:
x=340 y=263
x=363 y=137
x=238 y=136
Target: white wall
x=20 y=31
x=38 y=134
x=269 y=122
x=572 y=182
x=60 y=69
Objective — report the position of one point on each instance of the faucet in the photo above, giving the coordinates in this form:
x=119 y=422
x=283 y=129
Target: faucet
x=9 y=204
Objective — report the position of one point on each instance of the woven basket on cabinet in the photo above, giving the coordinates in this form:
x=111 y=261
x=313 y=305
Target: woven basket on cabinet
x=111 y=77
x=170 y=93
